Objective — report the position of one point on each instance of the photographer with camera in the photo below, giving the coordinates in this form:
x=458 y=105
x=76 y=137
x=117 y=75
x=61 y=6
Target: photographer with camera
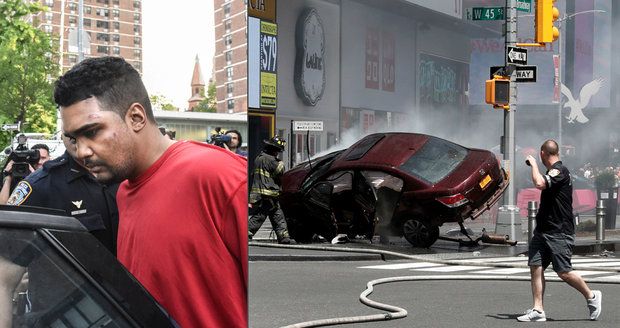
x=266 y=189
x=235 y=142
x=20 y=164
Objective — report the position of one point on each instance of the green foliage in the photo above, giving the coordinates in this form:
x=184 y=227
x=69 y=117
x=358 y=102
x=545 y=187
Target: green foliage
x=27 y=69
x=209 y=104
x=163 y=103
x=606 y=179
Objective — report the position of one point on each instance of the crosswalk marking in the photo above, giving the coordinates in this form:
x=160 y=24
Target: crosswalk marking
x=449 y=268
x=478 y=267
x=399 y=266
x=503 y=271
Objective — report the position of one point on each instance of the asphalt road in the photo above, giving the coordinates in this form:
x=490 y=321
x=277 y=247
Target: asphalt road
x=286 y=292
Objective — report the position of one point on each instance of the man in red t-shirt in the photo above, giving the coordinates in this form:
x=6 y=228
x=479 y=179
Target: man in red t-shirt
x=183 y=208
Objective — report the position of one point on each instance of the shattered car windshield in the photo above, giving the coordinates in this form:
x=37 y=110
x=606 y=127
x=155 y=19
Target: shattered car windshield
x=435 y=160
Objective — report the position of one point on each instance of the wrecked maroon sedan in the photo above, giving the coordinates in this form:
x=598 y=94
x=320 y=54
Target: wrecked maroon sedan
x=390 y=184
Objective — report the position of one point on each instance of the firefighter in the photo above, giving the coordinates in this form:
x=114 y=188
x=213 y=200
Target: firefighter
x=266 y=189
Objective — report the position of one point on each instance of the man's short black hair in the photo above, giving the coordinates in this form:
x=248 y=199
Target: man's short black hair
x=238 y=135
x=111 y=80
x=41 y=146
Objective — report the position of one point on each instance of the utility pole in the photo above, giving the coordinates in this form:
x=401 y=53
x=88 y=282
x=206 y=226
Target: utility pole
x=80 y=35
x=508 y=220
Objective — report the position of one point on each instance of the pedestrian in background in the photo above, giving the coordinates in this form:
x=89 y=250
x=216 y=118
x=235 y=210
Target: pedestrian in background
x=183 y=207
x=554 y=236
x=235 y=143
x=266 y=189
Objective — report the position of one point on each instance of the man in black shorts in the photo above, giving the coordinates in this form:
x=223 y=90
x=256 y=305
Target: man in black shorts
x=554 y=236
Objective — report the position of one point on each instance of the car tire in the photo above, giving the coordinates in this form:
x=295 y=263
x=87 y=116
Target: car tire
x=299 y=231
x=420 y=233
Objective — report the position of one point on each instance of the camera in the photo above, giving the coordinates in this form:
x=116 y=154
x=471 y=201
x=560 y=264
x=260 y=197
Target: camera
x=219 y=138
x=22 y=158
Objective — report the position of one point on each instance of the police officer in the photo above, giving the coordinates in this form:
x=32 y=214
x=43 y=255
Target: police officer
x=64 y=184
x=265 y=190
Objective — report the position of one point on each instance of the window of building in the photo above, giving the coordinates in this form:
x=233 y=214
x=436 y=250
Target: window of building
x=49 y=3
x=136 y=17
x=137 y=66
x=228 y=55
x=116 y=13
x=115 y=2
x=88 y=10
x=136 y=5
x=227 y=25
x=229 y=72
x=73 y=6
x=107 y=2
x=72 y=59
x=116 y=25
x=136 y=41
x=136 y=28
x=116 y=38
x=228 y=40
x=116 y=50
x=227 y=9
x=230 y=88
x=103 y=24
x=48 y=28
x=49 y=16
x=230 y=104
x=102 y=12
x=87 y=22
x=72 y=20
x=103 y=49
x=137 y=53
x=103 y=37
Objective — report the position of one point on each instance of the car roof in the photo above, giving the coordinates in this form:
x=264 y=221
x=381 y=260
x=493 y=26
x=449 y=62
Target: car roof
x=383 y=149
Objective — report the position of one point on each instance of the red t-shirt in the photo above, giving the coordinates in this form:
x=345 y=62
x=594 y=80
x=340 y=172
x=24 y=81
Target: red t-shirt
x=183 y=234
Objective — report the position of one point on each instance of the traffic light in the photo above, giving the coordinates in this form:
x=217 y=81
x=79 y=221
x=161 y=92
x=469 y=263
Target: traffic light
x=546 y=14
x=497 y=92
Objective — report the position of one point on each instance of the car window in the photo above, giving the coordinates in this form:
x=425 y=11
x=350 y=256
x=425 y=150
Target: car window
x=435 y=160
x=342 y=181
x=319 y=168
x=379 y=179
x=55 y=293
x=363 y=147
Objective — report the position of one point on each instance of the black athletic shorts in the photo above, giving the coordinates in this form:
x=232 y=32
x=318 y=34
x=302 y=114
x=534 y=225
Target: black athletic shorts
x=554 y=248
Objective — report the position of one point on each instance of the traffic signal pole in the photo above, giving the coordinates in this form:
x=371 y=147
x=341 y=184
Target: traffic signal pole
x=508 y=220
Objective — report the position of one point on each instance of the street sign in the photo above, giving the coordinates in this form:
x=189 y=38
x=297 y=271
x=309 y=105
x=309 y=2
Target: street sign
x=516 y=56
x=524 y=5
x=487 y=13
x=524 y=74
x=307 y=125
x=10 y=127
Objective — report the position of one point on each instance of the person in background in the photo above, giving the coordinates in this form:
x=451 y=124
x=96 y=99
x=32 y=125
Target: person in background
x=235 y=143
x=8 y=184
x=268 y=169
x=554 y=236
x=183 y=206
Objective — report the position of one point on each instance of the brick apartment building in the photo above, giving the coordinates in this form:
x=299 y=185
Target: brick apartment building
x=230 y=61
x=112 y=27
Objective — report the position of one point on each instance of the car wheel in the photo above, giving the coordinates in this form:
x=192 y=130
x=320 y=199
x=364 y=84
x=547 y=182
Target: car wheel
x=299 y=231
x=420 y=233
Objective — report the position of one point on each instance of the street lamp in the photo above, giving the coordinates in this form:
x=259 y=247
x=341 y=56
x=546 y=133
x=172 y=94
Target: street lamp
x=560 y=20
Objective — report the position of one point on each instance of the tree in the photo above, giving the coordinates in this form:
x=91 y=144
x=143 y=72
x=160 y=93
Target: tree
x=209 y=104
x=27 y=69
x=163 y=103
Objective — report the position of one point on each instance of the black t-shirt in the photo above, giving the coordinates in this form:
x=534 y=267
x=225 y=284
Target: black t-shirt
x=556 y=202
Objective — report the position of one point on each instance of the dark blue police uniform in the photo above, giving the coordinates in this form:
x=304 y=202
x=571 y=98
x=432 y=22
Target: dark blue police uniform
x=63 y=184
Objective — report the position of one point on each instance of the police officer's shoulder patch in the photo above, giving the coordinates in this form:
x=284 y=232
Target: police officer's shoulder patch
x=554 y=173
x=20 y=194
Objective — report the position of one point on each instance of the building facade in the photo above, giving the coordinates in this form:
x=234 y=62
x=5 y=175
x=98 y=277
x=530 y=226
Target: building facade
x=111 y=28
x=230 y=62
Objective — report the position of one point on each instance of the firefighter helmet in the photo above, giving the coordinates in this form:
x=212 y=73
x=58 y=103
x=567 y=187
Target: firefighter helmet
x=276 y=142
